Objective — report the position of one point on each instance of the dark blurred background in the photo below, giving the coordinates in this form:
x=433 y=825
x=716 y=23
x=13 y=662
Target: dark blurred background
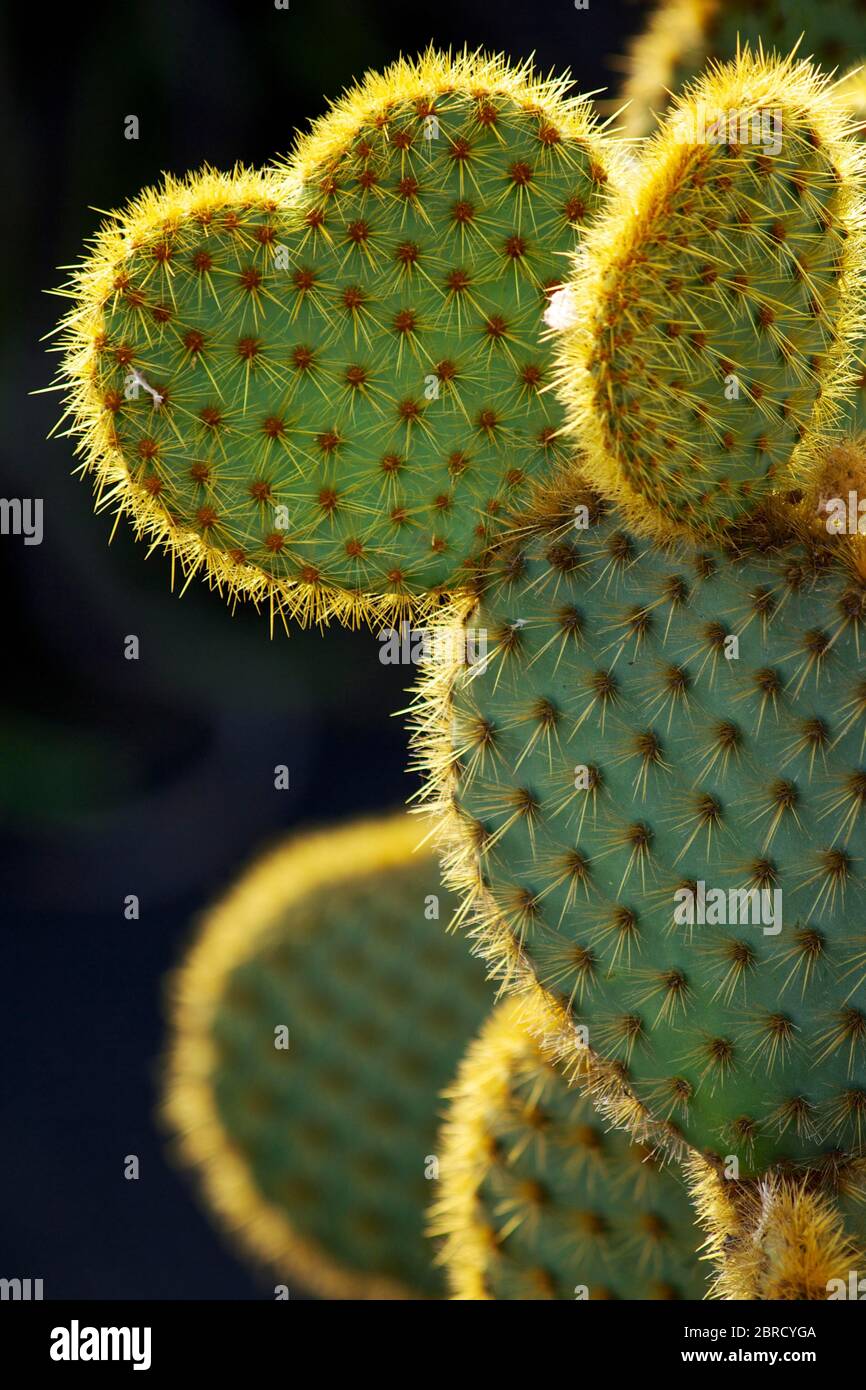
x=155 y=777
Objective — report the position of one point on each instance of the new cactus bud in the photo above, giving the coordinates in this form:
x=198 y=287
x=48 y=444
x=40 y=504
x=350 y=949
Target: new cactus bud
x=654 y=798
x=790 y=1237
x=539 y=1200
x=719 y=302
x=321 y=385
x=314 y=1023
x=835 y=501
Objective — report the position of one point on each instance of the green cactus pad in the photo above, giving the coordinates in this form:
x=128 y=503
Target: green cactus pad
x=321 y=385
x=719 y=302
x=649 y=720
x=315 y=1155
x=538 y=1200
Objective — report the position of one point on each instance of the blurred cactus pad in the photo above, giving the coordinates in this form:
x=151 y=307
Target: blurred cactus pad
x=538 y=1199
x=322 y=385
x=682 y=36
x=314 y=1023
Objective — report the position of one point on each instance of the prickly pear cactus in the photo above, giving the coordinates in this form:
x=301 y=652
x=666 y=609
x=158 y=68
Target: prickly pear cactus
x=716 y=306
x=313 y=1025
x=788 y=1238
x=655 y=792
x=682 y=36
x=320 y=385
x=650 y=721
x=538 y=1200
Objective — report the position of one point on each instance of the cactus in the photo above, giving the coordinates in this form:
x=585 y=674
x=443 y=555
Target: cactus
x=320 y=385
x=717 y=303
x=672 y=47
x=790 y=1238
x=647 y=721
x=313 y=1155
x=852 y=89
x=652 y=719
x=536 y=1200
x=682 y=36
